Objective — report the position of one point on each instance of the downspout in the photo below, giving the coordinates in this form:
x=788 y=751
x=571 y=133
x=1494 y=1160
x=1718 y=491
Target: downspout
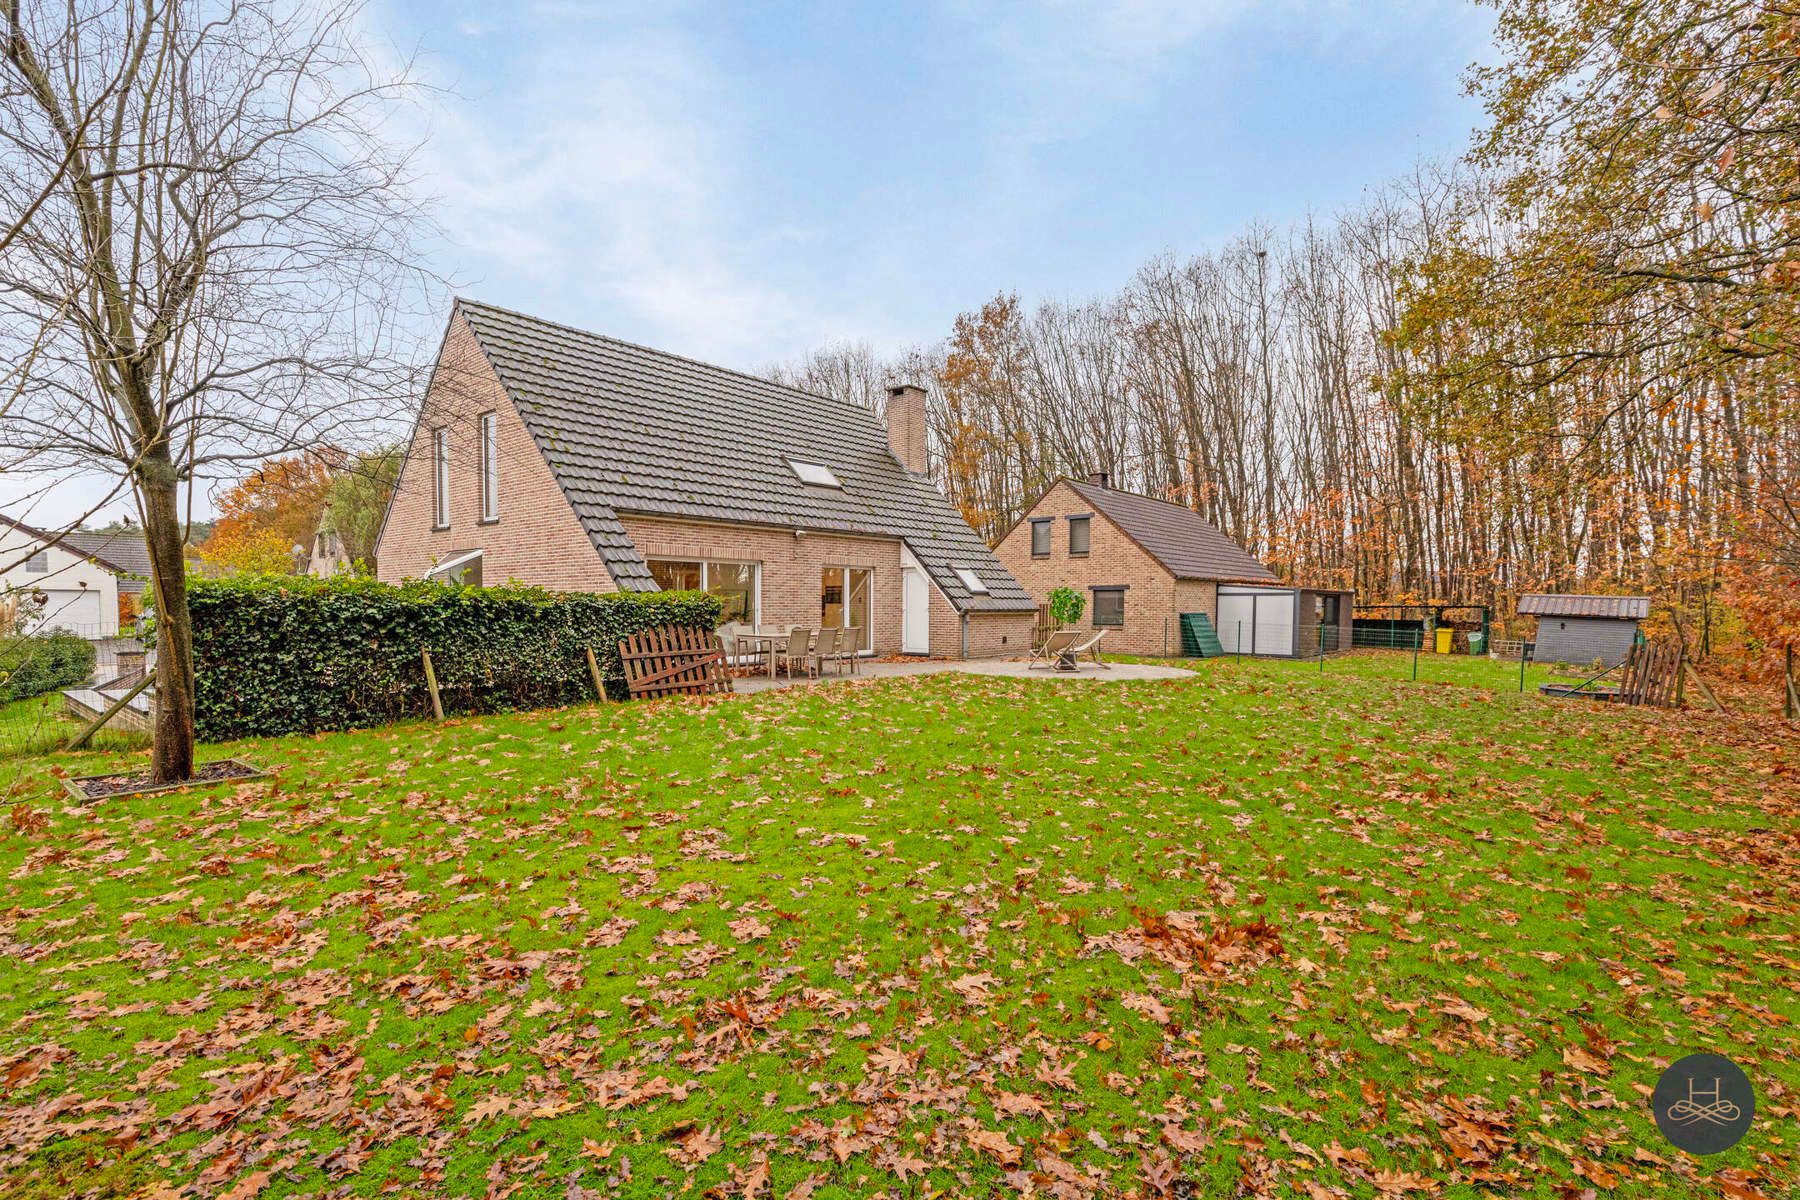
x=965 y=636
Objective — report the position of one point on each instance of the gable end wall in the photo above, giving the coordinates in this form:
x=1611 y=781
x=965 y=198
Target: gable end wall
x=538 y=538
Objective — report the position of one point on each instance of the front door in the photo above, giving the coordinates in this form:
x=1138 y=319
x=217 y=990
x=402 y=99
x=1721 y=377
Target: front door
x=844 y=600
x=915 y=613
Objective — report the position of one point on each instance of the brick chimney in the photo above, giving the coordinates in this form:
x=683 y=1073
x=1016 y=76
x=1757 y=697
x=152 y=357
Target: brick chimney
x=1100 y=479
x=905 y=417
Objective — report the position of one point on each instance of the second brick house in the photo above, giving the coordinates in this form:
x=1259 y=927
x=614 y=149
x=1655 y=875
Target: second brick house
x=1142 y=562
x=553 y=456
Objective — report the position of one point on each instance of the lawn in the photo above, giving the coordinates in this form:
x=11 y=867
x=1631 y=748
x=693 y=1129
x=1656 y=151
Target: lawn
x=1268 y=931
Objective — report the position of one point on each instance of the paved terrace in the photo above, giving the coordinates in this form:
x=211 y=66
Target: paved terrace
x=1089 y=673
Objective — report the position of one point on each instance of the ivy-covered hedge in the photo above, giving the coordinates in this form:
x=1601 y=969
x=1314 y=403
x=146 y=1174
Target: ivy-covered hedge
x=43 y=662
x=288 y=654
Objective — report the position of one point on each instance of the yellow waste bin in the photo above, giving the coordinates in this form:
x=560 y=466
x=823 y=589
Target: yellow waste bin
x=1445 y=636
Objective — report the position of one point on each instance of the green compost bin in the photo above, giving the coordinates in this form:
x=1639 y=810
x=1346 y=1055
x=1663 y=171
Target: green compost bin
x=1478 y=644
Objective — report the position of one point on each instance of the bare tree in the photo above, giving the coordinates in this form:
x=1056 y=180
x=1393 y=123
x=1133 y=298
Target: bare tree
x=211 y=255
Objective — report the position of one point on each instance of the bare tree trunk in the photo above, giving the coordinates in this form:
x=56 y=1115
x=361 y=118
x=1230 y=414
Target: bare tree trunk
x=158 y=489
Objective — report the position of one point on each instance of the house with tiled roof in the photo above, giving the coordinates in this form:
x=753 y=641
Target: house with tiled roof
x=1142 y=562
x=553 y=456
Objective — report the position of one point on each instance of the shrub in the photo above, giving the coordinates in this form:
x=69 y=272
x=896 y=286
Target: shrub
x=1066 y=605
x=43 y=662
x=276 y=655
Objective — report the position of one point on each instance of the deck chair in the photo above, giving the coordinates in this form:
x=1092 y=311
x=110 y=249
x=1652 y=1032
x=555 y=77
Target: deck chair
x=1053 y=648
x=1091 y=648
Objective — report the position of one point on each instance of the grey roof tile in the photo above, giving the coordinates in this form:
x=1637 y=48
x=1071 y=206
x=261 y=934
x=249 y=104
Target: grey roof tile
x=1189 y=545
x=627 y=429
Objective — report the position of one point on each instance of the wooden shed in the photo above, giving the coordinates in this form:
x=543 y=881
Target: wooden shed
x=1585 y=629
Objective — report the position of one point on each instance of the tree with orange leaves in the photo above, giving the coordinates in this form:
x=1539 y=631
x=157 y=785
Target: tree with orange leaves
x=269 y=512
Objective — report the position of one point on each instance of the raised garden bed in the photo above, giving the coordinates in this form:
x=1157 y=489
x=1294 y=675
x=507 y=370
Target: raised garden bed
x=88 y=788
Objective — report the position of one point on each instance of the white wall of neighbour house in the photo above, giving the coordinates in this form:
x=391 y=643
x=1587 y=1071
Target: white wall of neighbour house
x=80 y=595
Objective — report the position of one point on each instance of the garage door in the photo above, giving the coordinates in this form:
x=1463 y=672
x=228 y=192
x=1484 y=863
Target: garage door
x=76 y=611
x=1257 y=620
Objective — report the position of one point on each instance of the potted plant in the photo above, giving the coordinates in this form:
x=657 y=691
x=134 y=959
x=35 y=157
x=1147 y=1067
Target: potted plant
x=1066 y=607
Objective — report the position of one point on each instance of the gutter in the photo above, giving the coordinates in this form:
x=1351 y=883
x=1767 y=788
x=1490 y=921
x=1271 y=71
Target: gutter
x=965 y=635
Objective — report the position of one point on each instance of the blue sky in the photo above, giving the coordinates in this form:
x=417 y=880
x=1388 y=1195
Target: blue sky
x=741 y=182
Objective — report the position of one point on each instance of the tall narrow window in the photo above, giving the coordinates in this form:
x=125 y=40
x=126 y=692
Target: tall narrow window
x=1040 y=537
x=1078 y=534
x=440 y=479
x=490 y=467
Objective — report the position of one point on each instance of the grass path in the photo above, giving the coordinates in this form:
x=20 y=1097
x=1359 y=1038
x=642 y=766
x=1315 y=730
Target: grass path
x=1267 y=931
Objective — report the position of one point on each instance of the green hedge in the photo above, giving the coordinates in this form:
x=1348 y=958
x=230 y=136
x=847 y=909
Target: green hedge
x=287 y=654
x=43 y=662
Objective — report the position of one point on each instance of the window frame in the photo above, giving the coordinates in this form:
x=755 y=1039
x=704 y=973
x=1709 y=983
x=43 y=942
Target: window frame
x=1046 y=527
x=1108 y=589
x=706 y=565
x=488 y=425
x=440 y=477
x=38 y=563
x=972 y=583
x=825 y=477
x=1086 y=521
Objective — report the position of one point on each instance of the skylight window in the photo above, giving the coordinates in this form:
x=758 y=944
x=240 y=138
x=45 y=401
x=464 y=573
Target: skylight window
x=814 y=474
x=971 y=580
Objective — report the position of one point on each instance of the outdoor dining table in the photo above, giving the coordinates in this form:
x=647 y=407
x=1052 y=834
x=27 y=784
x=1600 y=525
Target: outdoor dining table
x=759 y=643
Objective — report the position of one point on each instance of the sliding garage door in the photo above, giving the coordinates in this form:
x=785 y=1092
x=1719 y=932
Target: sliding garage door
x=1257 y=620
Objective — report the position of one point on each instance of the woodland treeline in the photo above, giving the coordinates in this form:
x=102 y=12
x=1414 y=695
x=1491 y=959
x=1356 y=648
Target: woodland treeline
x=1567 y=361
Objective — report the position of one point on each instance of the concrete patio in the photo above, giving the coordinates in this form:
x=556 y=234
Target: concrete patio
x=1006 y=669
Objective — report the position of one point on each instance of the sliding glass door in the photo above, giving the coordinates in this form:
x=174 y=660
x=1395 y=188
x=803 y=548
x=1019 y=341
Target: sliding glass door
x=846 y=596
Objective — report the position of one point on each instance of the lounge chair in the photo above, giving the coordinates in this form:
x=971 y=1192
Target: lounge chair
x=1091 y=648
x=1054 y=647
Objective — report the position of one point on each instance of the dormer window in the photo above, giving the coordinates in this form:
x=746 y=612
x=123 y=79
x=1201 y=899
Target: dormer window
x=814 y=475
x=971 y=580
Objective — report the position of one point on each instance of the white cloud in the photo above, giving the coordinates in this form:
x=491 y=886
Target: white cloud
x=607 y=190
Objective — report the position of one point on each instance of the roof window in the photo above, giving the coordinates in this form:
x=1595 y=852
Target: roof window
x=813 y=474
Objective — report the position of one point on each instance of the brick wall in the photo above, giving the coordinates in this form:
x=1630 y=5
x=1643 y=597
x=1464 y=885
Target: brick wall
x=791 y=566
x=1112 y=558
x=538 y=539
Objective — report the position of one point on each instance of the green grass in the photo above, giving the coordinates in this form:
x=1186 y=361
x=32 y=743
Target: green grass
x=916 y=936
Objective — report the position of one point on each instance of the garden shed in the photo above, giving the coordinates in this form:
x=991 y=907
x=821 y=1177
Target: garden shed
x=1585 y=629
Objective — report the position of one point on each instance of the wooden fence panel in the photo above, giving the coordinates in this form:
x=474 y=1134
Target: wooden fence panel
x=673 y=660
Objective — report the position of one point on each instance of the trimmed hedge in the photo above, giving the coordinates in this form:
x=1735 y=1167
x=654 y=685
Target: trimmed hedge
x=43 y=662
x=291 y=654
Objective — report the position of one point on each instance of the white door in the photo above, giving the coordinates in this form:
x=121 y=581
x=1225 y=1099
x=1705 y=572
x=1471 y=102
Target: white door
x=1257 y=620
x=915 y=624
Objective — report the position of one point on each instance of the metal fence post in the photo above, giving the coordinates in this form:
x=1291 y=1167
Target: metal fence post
x=1521 y=666
x=1240 y=642
x=1321 y=649
x=1416 y=642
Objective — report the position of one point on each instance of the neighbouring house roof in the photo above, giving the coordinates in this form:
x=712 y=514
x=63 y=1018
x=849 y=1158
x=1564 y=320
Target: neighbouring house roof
x=1187 y=544
x=122 y=549
x=629 y=430
x=1622 y=608
x=69 y=542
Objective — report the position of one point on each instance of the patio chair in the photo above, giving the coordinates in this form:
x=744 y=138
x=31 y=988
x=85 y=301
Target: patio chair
x=825 y=650
x=1091 y=648
x=797 y=651
x=1053 y=648
x=847 y=652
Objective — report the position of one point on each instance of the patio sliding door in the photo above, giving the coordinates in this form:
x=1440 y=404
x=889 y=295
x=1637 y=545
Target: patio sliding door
x=846 y=596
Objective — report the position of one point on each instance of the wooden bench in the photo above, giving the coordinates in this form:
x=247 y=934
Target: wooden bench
x=673 y=660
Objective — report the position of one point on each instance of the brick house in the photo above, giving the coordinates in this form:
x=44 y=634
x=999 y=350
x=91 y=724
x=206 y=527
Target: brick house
x=551 y=456
x=1142 y=562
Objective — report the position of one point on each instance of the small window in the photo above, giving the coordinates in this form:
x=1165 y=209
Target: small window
x=676 y=576
x=1109 y=606
x=440 y=478
x=490 y=467
x=1040 y=537
x=971 y=580
x=814 y=474
x=38 y=564
x=1078 y=534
